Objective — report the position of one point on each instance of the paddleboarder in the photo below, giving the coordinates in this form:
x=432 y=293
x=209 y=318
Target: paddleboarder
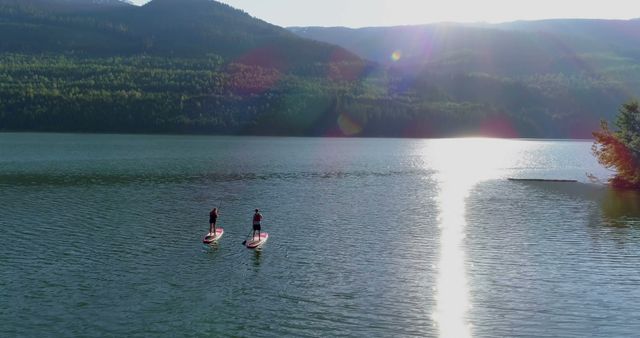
x=213 y=218
x=257 y=218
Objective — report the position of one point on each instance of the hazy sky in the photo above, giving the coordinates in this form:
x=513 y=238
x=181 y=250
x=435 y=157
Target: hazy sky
x=359 y=13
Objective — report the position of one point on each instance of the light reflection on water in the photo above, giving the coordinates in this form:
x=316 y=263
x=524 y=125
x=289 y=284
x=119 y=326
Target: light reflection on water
x=460 y=165
x=452 y=291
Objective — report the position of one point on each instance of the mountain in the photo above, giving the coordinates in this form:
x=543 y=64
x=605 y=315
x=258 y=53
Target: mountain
x=554 y=72
x=199 y=66
x=510 y=49
x=161 y=27
x=168 y=66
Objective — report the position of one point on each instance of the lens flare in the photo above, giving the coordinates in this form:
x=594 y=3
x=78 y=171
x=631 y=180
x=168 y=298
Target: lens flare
x=348 y=126
x=396 y=56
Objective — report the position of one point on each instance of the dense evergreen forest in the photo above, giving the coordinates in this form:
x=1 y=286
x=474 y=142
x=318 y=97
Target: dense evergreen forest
x=198 y=66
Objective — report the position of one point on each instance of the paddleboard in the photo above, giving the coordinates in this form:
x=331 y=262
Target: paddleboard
x=257 y=242
x=210 y=237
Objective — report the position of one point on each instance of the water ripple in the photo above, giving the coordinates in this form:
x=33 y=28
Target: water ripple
x=100 y=239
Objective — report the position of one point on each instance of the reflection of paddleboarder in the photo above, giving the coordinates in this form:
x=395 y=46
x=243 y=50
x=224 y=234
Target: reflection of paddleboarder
x=213 y=218
x=257 y=218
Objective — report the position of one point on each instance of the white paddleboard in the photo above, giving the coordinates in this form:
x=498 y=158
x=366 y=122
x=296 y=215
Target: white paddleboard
x=254 y=243
x=211 y=237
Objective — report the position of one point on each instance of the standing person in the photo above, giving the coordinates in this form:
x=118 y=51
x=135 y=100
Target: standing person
x=213 y=218
x=257 y=218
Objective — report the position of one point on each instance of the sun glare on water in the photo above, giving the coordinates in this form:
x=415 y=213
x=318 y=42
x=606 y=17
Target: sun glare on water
x=460 y=164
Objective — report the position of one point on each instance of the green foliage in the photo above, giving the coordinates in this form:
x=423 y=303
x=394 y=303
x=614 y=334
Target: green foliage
x=207 y=95
x=561 y=73
x=620 y=150
x=628 y=123
x=199 y=66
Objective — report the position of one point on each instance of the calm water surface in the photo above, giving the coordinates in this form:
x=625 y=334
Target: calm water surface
x=101 y=236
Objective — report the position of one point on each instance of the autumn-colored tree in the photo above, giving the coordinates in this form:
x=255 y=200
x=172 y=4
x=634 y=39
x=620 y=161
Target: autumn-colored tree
x=620 y=150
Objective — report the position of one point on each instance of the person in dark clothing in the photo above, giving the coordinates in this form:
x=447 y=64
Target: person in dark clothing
x=213 y=218
x=257 y=218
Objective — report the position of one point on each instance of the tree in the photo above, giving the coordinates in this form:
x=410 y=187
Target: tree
x=620 y=150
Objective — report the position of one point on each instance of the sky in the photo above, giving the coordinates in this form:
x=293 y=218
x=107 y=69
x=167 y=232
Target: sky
x=363 y=13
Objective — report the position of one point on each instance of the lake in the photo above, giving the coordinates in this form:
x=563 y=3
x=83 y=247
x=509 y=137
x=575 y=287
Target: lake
x=101 y=236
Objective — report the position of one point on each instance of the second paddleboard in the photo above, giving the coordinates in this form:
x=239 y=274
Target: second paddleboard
x=257 y=242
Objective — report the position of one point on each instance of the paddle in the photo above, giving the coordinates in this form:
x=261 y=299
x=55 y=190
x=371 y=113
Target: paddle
x=247 y=236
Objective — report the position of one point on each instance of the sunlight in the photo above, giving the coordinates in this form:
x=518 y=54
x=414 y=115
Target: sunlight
x=452 y=291
x=470 y=160
x=460 y=165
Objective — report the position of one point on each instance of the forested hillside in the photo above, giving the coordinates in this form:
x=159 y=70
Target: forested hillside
x=550 y=71
x=209 y=95
x=198 y=66
x=185 y=28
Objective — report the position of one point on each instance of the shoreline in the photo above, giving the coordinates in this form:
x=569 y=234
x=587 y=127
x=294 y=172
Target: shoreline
x=295 y=136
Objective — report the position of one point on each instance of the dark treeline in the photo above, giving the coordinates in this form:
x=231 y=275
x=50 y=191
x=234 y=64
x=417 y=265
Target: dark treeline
x=146 y=94
x=207 y=95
